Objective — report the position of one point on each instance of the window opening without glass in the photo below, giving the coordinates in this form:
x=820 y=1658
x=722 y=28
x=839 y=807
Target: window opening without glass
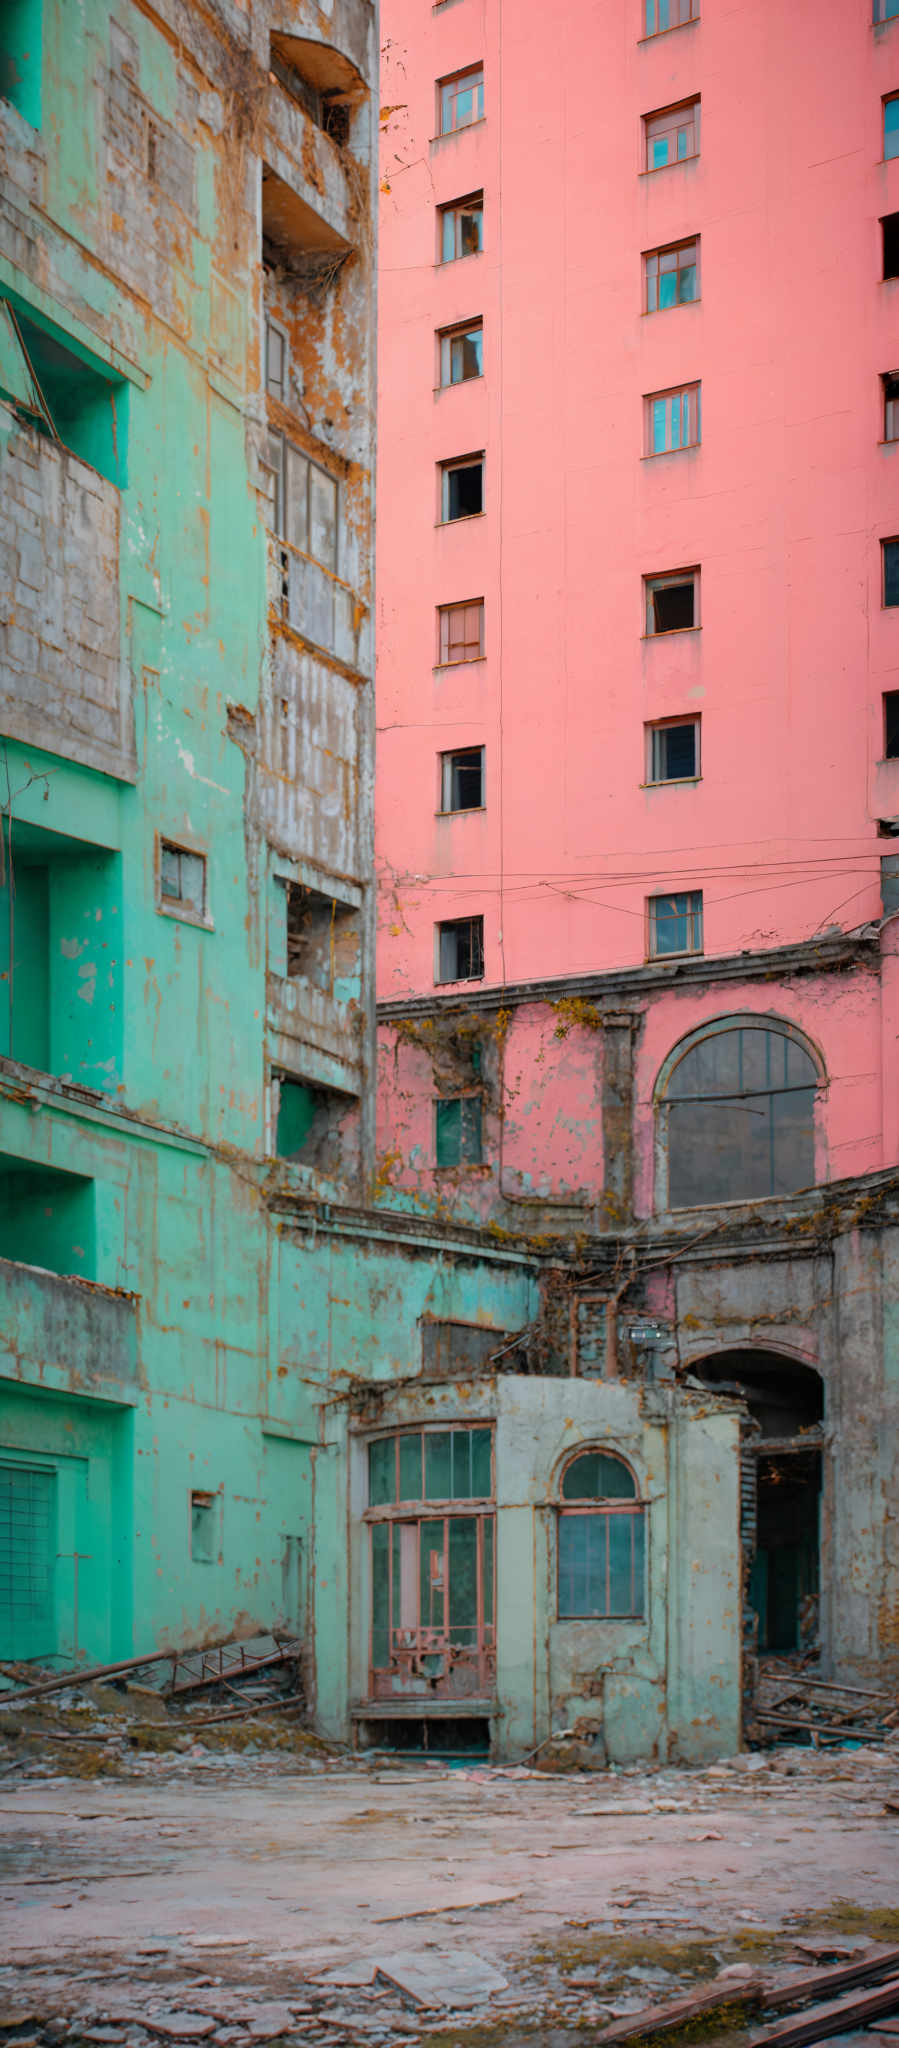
x=460 y=949
x=890 y=231
x=461 y=99
x=738 y=1117
x=891 y=725
x=461 y=632
x=675 y=924
x=458 y=1138
x=890 y=552
x=305 y=518
x=671 y=276
x=673 y=419
x=671 y=135
x=275 y=361
x=462 y=487
x=672 y=602
x=431 y=1522
x=891 y=406
x=462 y=780
x=673 y=751
x=602 y=1541
x=660 y=15
x=462 y=228
x=461 y=352
x=182 y=879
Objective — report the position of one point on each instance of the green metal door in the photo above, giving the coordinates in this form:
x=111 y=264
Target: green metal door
x=28 y=1547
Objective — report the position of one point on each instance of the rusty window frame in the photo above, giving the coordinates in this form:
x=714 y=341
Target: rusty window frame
x=460 y=348
x=455 y=89
x=423 y=1503
x=672 y=420
x=595 y=1514
x=673 y=579
x=661 y=16
x=689 y=908
x=450 y=228
x=453 y=928
x=452 y=468
x=657 y=266
x=460 y=632
x=677 y=126
x=885 y=10
x=457 y=767
x=276 y=386
x=169 y=905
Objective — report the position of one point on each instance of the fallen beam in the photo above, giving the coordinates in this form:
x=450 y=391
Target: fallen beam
x=660 y=2019
x=86 y=1674
x=808 y=1984
x=842 y=2017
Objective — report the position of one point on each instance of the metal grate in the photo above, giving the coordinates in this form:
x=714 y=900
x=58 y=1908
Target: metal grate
x=27 y=1559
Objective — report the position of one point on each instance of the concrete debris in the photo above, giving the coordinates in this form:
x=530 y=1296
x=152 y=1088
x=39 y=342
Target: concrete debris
x=454 y=1978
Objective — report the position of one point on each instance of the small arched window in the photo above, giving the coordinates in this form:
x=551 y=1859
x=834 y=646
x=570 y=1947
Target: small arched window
x=602 y=1540
x=738 y=1115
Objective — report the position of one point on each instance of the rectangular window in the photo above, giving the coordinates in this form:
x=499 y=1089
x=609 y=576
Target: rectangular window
x=601 y=1564
x=305 y=504
x=891 y=126
x=275 y=361
x=460 y=950
x=675 y=925
x=461 y=352
x=672 y=135
x=890 y=229
x=890 y=552
x=462 y=780
x=673 y=419
x=462 y=488
x=673 y=751
x=660 y=15
x=29 y=1546
x=886 y=10
x=462 y=228
x=671 y=276
x=461 y=632
x=457 y=1131
x=672 y=602
x=891 y=406
x=182 y=879
x=891 y=725
x=461 y=99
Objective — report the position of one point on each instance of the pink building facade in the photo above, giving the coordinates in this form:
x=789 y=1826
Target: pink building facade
x=638 y=723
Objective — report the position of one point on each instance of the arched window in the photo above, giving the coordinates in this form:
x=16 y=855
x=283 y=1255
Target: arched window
x=737 y=1113
x=602 y=1543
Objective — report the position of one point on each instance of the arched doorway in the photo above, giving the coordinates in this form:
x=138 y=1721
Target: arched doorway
x=780 y=1495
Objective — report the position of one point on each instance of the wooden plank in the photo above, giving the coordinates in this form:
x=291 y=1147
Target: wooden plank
x=658 y=2019
x=842 y=2017
x=808 y=1984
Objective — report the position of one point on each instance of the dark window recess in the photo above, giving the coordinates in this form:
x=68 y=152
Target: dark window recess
x=204 y=1527
x=674 y=752
x=467 y=1736
x=182 y=878
x=463 y=490
x=329 y=110
x=891 y=725
x=890 y=226
x=890 y=408
x=322 y=937
x=671 y=605
x=312 y=1124
x=463 y=780
x=741 y=1110
x=890 y=571
x=461 y=949
x=452 y=1350
x=457 y=1131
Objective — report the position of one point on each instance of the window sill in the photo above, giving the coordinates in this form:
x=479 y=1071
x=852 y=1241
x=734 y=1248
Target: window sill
x=680 y=305
x=463 y=520
x=468 y=256
x=672 y=782
x=661 y=33
x=657 y=455
x=893 y=442
x=451 y=134
x=663 y=959
x=459 y=384
x=184 y=916
x=671 y=632
x=463 y=811
x=468 y=660
x=467 y=1166
x=679 y=163
x=467 y=983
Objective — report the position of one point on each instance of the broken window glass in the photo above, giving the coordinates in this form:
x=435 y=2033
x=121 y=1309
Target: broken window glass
x=462 y=353
x=890 y=551
x=182 y=878
x=891 y=725
x=672 y=602
x=460 y=949
x=740 y=1118
x=463 y=488
x=462 y=780
x=462 y=228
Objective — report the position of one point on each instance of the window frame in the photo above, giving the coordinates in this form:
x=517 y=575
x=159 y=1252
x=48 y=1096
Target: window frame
x=172 y=906
x=445 y=760
x=671 y=249
x=447 y=337
x=692 y=898
x=633 y=1508
x=445 y=613
x=889 y=396
x=449 y=84
x=889 y=99
x=662 y=725
x=453 y=924
x=889 y=753
x=881 y=18
x=287 y=446
x=447 y=469
x=691 y=394
x=662 y=121
x=649 y=34
x=472 y=202
x=467 y=1161
x=738 y=1020
x=276 y=327
x=669 y=579
x=889 y=540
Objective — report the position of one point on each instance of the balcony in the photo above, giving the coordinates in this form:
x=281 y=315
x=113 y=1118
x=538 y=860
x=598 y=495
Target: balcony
x=67 y=1334
x=317 y=604
x=62 y=679
x=313 y=1034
